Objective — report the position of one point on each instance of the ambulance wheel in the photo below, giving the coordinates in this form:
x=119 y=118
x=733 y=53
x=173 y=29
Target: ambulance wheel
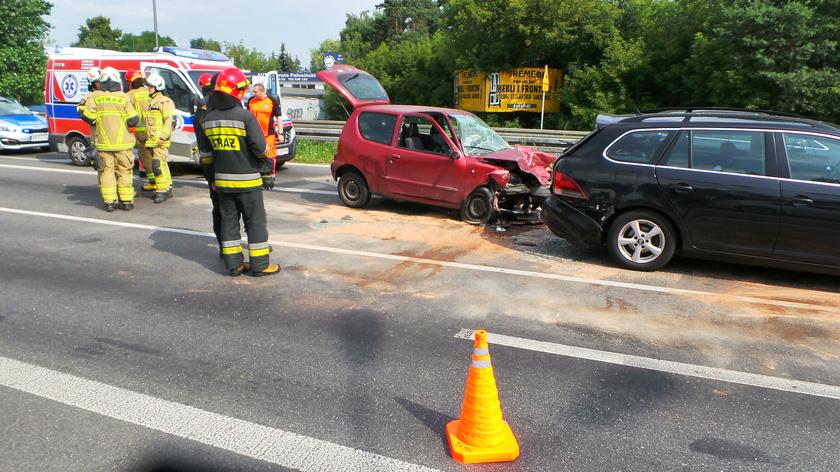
x=76 y=150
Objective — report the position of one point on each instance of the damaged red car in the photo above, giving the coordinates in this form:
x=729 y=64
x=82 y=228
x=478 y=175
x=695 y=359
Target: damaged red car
x=437 y=156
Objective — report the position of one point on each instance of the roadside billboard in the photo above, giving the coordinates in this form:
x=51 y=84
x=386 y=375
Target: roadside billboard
x=507 y=91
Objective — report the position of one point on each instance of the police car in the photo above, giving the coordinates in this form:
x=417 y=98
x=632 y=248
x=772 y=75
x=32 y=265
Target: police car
x=20 y=128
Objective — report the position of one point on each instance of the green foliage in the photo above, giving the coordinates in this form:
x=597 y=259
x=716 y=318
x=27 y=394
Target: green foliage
x=142 y=42
x=285 y=62
x=210 y=44
x=248 y=58
x=22 y=58
x=314 y=152
x=769 y=55
x=617 y=56
x=97 y=33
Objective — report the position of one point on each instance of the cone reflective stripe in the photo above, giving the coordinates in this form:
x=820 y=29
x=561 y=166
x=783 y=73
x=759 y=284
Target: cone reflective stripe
x=481 y=434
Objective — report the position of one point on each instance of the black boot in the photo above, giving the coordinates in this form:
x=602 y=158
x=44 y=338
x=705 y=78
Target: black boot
x=109 y=207
x=127 y=206
x=160 y=198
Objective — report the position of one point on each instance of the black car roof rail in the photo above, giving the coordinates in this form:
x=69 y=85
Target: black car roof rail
x=752 y=115
x=722 y=109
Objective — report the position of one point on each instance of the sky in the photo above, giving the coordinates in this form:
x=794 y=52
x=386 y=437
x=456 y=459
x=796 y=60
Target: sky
x=301 y=24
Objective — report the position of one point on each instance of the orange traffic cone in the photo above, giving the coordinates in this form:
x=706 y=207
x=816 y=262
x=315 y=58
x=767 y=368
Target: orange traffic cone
x=481 y=435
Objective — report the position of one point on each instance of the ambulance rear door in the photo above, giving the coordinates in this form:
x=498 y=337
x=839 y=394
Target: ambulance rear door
x=183 y=92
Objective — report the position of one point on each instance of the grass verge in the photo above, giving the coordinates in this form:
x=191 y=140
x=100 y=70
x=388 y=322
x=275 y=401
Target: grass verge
x=314 y=152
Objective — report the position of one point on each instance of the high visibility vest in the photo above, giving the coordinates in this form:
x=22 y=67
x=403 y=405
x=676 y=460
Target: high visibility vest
x=160 y=121
x=139 y=100
x=264 y=110
x=110 y=111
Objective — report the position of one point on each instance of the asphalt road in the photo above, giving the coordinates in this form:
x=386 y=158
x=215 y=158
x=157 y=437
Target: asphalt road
x=140 y=355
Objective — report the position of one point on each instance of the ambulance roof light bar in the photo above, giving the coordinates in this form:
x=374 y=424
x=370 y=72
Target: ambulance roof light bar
x=190 y=53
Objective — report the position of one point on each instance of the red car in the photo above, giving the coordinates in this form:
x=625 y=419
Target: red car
x=438 y=156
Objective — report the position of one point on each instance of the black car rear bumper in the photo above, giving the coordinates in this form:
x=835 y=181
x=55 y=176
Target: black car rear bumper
x=571 y=224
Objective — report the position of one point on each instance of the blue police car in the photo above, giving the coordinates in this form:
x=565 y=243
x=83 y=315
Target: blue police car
x=20 y=128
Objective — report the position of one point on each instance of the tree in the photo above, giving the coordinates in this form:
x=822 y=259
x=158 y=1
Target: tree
x=772 y=55
x=410 y=16
x=142 y=42
x=501 y=34
x=285 y=63
x=97 y=33
x=210 y=44
x=22 y=58
x=248 y=59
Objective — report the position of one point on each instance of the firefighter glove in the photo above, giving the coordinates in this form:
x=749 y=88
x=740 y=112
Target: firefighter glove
x=156 y=168
x=268 y=182
x=95 y=160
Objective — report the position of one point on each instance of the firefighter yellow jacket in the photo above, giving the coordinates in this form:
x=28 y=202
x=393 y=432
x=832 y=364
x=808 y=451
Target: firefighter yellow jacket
x=111 y=114
x=160 y=120
x=139 y=98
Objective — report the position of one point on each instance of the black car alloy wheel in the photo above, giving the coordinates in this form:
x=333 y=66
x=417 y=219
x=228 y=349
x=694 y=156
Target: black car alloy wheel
x=642 y=240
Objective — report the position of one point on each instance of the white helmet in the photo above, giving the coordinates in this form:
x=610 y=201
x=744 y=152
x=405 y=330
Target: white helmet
x=94 y=74
x=155 y=80
x=109 y=74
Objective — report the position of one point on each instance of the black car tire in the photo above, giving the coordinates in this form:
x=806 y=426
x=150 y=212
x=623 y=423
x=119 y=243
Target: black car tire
x=478 y=208
x=76 y=151
x=635 y=237
x=353 y=190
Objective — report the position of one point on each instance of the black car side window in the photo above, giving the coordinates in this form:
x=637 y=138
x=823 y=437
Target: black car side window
x=814 y=158
x=678 y=156
x=735 y=152
x=377 y=127
x=638 y=147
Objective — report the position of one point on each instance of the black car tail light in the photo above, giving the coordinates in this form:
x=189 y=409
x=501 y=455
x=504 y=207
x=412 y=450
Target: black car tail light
x=566 y=186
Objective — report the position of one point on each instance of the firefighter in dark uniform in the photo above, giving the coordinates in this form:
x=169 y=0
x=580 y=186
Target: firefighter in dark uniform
x=200 y=107
x=238 y=163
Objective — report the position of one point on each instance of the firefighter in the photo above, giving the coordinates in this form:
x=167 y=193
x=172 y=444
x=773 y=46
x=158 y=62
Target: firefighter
x=238 y=161
x=267 y=110
x=207 y=82
x=139 y=97
x=160 y=123
x=94 y=76
x=110 y=112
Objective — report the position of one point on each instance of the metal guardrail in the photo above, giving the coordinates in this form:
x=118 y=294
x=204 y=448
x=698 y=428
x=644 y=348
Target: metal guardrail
x=545 y=140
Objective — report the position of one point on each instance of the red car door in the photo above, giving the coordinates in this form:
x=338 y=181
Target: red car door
x=422 y=164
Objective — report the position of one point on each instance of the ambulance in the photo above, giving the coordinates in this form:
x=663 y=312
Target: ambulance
x=66 y=85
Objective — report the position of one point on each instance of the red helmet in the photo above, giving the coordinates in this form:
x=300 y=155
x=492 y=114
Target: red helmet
x=232 y=82
x=204 y=79
x=131 y=75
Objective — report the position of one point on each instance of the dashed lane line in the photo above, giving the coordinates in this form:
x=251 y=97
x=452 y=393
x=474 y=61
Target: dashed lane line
x=248 y=439
x=180 y=181
x=450 y=264
x=670 y=367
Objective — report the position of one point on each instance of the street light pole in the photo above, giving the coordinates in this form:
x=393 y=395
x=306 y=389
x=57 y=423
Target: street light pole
x=154 y=11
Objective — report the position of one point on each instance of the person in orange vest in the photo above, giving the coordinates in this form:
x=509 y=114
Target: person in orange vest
x=267 y=111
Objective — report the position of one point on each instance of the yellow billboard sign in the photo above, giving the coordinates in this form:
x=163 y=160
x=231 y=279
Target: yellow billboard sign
x=507 y=91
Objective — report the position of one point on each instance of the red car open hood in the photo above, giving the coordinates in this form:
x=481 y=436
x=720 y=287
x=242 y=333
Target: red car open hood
x=355 y=85
x=529 y=160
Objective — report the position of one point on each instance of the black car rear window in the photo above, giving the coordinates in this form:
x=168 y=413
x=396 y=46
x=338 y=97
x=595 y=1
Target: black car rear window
x=377 y=127
x=363 y=86
x=640 y=147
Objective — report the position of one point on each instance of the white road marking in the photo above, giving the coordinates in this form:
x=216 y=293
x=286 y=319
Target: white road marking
x=456 y=265
x=691 y=370
x=180 y=181
x=224 y=432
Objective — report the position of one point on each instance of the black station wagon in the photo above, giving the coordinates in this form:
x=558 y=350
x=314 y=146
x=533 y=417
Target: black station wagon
x=734 y=185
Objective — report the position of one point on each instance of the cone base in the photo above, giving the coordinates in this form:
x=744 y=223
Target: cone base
x=462 y=452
